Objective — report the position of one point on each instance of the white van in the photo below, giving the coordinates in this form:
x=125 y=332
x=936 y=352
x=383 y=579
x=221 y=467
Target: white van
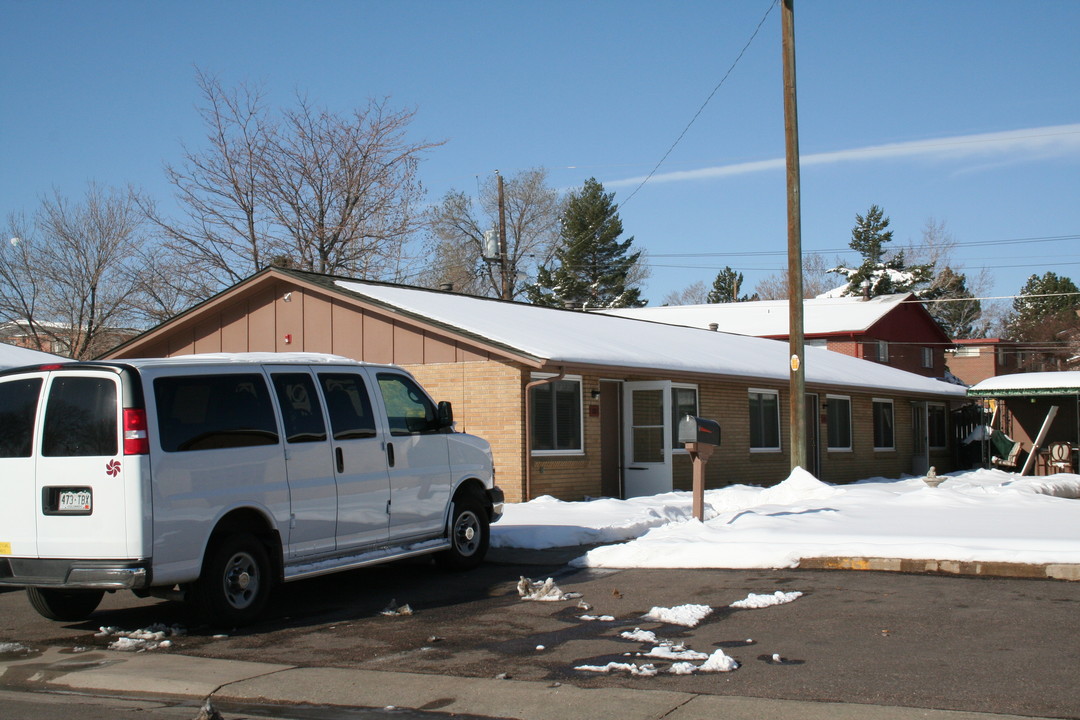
x=214 y=477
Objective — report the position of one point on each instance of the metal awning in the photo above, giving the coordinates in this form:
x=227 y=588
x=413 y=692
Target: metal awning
x=1028 y=385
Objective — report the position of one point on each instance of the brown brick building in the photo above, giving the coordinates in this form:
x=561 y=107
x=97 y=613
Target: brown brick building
x=577 y=404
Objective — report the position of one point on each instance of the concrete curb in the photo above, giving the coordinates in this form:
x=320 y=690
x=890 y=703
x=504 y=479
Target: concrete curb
x=158 y=675
x=1051 y=571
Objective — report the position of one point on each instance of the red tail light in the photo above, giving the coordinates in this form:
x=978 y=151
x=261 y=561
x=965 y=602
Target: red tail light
x=136 y=441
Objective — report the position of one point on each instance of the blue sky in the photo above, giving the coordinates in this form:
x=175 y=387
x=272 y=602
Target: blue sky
x=964 y=112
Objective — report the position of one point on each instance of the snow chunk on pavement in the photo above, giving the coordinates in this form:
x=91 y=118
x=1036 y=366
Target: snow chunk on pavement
x=12 y=647
x=753 y=601
x=648 y=670
x=719 y=662
x=686 y=615
x=675 y=652
x=150 y=638
x=639 y=635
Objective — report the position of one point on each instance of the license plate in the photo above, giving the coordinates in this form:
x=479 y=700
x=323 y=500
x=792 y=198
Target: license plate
x=75 y=501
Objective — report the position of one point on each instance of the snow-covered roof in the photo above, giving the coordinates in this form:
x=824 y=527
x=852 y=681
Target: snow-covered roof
x=1036 y=383
x=556 y=336
x=12 y=356
x=769 y=318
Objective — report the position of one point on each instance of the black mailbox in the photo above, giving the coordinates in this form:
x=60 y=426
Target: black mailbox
x=699 y=430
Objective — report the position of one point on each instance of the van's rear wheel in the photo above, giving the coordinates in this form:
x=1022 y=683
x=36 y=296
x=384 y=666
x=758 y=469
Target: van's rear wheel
x=470 y=535
x=67 y=605
x=235 y=582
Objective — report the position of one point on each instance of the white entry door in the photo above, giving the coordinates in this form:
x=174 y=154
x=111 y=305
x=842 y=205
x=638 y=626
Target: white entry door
x=648 y=438
x=920 y=461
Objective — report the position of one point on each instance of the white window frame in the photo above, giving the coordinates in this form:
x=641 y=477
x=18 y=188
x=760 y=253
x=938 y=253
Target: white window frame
x=581 y=417
x=928 y=357
x=883 y=351
x=828 y=423
x=779 y=427
x=892 y=415
x=678 y=447
x=930 y=439
x=967 y=351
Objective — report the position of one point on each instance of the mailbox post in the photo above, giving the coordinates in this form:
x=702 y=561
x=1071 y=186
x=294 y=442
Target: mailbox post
x=701 y=437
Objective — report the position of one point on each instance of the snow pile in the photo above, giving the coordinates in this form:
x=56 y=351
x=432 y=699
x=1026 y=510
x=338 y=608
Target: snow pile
x=150 y=638
x=719 y=662
x=756 y=602
x=598 y=618
x=670 y=651
x=647 y=670
x=12 y=648
x=639 y=635
x=686 y=615
x=973 y=516
x=542 y=591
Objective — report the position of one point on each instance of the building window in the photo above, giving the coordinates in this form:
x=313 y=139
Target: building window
x=937 y=425
x=883 y=425
x=764 y=420
x=928 y=357
x=838 y=418
x=556 y=417
x=968 y=351
x=684 y=401
x=816 y=342
x=882 y=351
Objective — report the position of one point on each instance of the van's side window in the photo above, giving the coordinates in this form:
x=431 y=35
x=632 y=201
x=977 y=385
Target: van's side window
x=348 y=404
x=80 y=418
x=209 y=412
x=301 y=414
x=18 y=408
x=408 y=409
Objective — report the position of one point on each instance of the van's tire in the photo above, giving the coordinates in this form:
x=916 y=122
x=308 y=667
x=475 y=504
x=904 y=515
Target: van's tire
x=470 y=534
x=67 y=605
x=235 y=583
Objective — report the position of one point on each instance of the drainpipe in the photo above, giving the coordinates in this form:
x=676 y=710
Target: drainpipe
x=528 y=427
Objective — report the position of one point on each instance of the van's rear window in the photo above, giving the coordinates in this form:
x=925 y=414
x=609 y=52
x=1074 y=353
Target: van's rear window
x=80 y=417
x=210 y=412
x=18 y=407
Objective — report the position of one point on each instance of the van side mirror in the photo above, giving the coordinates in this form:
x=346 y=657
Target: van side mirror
x=446 y=415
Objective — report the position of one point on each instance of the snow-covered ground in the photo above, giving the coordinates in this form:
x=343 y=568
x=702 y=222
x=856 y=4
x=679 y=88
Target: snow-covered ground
x=979 y=515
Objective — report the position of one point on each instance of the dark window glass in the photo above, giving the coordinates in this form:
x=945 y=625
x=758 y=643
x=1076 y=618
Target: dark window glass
x=556 y=411
x=349 y=405
x=18 y=407
x=883 y=424
x=937 y=425
x=838 y=415
x=80 y=418
x=301 y=414
x=764 y=421
x=683 y=403
x=211 y=412
x=408 y=410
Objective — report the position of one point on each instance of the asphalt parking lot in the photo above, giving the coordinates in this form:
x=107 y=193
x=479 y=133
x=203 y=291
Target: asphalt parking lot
x=974 y=644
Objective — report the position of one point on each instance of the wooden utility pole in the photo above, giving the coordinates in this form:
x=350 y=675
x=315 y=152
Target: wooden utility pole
x=507 y=291
x=797 y=384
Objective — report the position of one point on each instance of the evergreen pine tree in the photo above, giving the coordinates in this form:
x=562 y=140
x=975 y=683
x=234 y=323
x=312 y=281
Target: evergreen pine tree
x=879 y=274
x=593 y=266
x=958 y=316
x=726 y=287
x=1044 y=309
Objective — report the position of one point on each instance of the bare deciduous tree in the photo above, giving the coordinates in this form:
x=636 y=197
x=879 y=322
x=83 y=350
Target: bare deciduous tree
x=455 y=247
x=816 y=280
x=696 y=293
x=305 y=187
x=70 y=277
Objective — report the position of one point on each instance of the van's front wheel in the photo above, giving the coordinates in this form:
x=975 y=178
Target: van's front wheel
x=235 y=582
x=470 y=535
x=66 y=605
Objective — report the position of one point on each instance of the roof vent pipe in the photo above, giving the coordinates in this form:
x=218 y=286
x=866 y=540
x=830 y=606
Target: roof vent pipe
x=446 y=287
x=714 y=326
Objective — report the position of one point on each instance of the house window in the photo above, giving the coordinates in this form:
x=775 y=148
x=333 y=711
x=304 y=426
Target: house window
x=838 y=417
x=927 y=357
x=764 y=420
x=556 y=417
x=883 y=425
x=683 y=402
x=882 y=351
x=969 y=351
x=936 y=425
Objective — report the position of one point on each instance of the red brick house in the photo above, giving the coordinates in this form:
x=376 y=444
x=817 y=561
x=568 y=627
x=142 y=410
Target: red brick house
x=580 y=404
